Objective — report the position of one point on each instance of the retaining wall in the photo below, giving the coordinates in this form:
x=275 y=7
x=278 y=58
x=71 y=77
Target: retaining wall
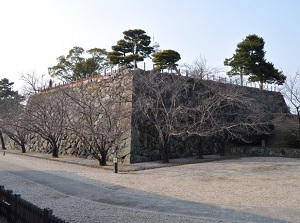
x=264 y=151
x=141 y=146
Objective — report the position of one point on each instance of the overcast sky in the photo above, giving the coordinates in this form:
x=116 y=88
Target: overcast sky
x=35 y=32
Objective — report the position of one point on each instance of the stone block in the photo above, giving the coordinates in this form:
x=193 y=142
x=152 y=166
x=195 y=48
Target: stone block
x=138 y=159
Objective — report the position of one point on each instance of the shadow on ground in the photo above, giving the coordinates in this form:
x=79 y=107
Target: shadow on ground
x=120 y=196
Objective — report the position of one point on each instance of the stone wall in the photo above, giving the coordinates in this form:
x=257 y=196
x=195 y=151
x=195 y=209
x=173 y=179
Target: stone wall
x=140 y=143
x=70 y=143
x=264 y=151
x=270 y=101
x=283 y=124
x=144 y=146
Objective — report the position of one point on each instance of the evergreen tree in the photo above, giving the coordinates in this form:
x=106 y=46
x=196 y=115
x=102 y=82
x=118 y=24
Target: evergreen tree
x=8 y=101
x=76 y=66
x=134 y=47
x=249 y=59
x=6 y=89
x=166 y=59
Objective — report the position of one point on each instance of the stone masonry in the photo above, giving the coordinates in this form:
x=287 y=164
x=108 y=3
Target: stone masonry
x=139 y=144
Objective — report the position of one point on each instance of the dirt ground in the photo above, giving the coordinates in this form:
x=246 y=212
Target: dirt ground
x=264 y=186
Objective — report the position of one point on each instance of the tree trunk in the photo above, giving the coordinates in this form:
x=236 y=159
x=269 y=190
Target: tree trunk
x=164 y=142
x=298 y=112
x=23 y=148
x=185 y=144
x=54 y=150
x=222 y=148
x=102 y=161
x=165 y=155
x=177 y=71
x=2 y=141
x=261 y=85
x=242 y=80
x=200 y=152
x=165 y=151
x=135 y=64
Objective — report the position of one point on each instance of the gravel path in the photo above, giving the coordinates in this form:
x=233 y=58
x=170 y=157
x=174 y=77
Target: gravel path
x=261 y=189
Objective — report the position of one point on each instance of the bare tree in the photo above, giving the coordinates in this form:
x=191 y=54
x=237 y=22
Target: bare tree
x=101 y=114
x=5 y=107
x=46 y=115
x=17 y=131
x=158 y=99
x=291 y=92
x=9 y=101
x=226 y=111
x=34 y=83
x=178 y=106
x=200 y=69
x=12 y=123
